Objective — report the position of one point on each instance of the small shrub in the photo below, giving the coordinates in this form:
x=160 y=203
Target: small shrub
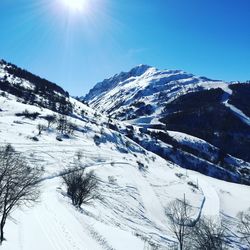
x=40 y=128
x=102 y=131
x=153 y=158
x=18 y=122
x=79 y=155
x=29 y=115
x=113 y=127
x=112 y=179
x=81 y=187
x=84 y=113
x=97 y=140
x=141 y=166
x=71 y=128
x=190 y=183
x=3 y=94
x=59 y=138
x=64 y=126
x=34 y=138
x=179 y=175
x=51 y=119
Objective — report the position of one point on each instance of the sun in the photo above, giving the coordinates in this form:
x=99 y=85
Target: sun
x=76 y=5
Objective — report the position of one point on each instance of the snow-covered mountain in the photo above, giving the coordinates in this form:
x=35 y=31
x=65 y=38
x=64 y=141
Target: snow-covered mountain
x=172 y=100
x=143 y=91
x=135 y=184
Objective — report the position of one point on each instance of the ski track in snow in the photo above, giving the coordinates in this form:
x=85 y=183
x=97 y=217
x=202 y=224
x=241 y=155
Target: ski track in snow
x=212 y=203
x=211 y=207
x=51 y=219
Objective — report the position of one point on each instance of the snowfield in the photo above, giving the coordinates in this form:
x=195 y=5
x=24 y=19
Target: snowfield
x=131 y=211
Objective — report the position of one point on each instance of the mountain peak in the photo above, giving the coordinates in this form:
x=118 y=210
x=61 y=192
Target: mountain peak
x=2 y=61
x=139 y=69
x=135 y=71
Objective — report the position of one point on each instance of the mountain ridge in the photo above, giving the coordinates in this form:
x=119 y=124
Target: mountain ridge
x=152 y=80
x=174 y=100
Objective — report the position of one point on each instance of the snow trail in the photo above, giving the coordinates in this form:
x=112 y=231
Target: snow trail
x=236 y=111
x=211 y=207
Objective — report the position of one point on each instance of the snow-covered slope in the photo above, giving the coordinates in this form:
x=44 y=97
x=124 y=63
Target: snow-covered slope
x=32 y=89
x=130 y=214
x=214 y=111
x=135 y=185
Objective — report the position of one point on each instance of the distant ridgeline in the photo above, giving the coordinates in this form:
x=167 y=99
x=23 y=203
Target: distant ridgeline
x=32 y=89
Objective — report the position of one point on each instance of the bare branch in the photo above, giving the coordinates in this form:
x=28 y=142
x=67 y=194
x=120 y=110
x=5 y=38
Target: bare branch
x=244 y=226
x=18 y=183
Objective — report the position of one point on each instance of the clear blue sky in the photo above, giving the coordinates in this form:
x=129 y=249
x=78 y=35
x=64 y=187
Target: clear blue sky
x=77 y=48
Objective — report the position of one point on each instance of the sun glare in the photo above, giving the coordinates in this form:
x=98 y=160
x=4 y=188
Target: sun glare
x=76 y=5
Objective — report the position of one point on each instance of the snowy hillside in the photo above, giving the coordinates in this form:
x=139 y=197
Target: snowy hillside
x=32 y=89
x=130 y=214
x=135 y=186
x=171 y=100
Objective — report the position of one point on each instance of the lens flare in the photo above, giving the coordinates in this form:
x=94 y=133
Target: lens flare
x=76 y=5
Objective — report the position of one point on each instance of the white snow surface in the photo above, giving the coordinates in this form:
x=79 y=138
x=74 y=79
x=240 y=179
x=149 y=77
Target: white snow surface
x=131 y=213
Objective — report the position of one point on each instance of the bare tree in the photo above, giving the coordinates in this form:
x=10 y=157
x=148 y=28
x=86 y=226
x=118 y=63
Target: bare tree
x=207 y=234
x=79 y=155
x=179 y=214
x=18 y=184
x=244 y=226
x=40 y=128
x=71 y=128
x=81 y=187
x=64 y=126
x=51 y=119
x=62 y=122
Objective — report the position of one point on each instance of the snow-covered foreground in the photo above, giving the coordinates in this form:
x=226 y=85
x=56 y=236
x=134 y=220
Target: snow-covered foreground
x=54 y=224
x=131 y=213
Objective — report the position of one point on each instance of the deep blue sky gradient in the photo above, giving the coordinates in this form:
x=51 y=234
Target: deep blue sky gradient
x=204 y=37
